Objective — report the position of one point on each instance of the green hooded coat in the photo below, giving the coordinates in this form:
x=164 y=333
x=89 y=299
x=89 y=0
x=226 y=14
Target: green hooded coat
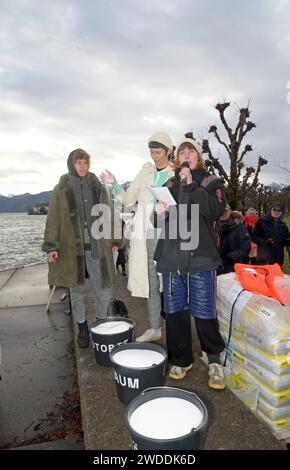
x=63 y=234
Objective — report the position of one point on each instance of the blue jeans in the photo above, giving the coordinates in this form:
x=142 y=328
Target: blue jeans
x=154 y=300
x=102 y=296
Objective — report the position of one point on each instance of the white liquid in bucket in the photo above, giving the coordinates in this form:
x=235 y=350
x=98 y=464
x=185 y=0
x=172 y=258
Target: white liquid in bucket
x=111 y=327
x=166 y=418
x=137 y=358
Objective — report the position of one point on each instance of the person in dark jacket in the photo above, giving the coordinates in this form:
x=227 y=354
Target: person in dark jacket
x=271 y=235
x=250 y=219
x=71 y=248
x=121 y=260
x=235 y=241
x=188 y=260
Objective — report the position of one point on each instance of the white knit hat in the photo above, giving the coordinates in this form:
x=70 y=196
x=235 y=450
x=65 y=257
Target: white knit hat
x=162 y=138
x=194 y=142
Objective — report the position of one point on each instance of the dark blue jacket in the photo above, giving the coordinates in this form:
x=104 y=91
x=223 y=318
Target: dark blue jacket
x=269 y=252
x=235 y=245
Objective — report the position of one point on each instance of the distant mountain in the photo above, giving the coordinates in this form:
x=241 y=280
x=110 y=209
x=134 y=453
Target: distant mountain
x=277 y=186
x=22 y=202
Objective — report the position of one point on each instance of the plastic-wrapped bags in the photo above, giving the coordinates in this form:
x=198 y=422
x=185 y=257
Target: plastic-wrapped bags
x=258 y=352
x=261 y=320
x=278 y=365
x=242 y=385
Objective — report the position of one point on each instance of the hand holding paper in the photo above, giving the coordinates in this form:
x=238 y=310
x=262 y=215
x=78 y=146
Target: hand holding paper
x=163 y=194
x=161 y=207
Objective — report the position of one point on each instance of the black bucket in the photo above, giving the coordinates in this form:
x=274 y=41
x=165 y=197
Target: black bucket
x=137 y=366
x=109 y=335
x=167 y=418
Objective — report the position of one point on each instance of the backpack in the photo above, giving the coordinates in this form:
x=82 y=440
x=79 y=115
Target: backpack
x=117 y=308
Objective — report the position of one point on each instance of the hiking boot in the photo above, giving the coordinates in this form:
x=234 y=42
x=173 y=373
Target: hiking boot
x=83 y=336
x=150 y=336
x=178 y=373
x=216 y=376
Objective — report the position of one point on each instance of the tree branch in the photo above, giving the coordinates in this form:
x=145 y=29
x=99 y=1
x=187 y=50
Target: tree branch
x=284 y=168
x=248 y=148
x=213 y=129
x=221 y=107
x=214 y=161
x=261 y=162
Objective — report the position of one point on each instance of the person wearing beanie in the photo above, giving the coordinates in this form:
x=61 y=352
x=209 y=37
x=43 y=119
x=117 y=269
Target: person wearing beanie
x=271 y=235
x=71 y=249
x=188 y=269
x=235 y=241
x=142 y=276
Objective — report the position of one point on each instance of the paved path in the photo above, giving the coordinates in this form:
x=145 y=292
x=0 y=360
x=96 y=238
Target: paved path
x=36 y=366
x=232 y=425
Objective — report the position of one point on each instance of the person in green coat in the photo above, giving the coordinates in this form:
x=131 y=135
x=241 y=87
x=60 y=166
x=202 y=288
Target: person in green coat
x=78 y=242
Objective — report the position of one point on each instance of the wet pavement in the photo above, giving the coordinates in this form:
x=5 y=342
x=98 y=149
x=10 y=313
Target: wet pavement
x=231 y=425
x=38 y=371
x=37 y=364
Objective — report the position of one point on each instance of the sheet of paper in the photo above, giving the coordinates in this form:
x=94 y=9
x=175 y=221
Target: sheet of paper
x=163 y=194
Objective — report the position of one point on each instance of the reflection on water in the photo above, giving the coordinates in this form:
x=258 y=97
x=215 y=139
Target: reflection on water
x=21 y=237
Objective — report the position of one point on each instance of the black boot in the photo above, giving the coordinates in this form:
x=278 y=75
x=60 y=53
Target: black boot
x=162 y=312
x=178 y=338
x=83 y=336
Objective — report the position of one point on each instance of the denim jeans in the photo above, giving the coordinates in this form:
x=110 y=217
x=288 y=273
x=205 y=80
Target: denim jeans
x=102 y=296
x=154 y=300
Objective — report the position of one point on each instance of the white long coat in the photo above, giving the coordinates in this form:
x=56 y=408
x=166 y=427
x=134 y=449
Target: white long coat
x=139 y=192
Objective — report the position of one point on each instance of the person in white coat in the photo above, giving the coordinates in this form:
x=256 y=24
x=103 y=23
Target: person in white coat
x=143 y=279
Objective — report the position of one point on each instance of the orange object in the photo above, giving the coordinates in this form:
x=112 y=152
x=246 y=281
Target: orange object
x=253 y=252
x=259 y=278
x=250 y=220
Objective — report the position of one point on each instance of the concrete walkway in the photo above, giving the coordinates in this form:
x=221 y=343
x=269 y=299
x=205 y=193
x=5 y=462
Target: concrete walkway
x=231 y=424
x=37 y=366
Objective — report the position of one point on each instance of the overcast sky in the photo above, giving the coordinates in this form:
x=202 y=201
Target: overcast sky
x=104 y=75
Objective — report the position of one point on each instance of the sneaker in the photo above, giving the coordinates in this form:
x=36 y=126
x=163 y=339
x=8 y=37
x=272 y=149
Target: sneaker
x=216 y=376
x=150 y=336
x=178 y=373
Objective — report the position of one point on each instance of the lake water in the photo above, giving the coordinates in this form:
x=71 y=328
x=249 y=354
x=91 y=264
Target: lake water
x=21 y=237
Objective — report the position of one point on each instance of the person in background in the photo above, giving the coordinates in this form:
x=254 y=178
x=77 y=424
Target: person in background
x=71 y=249
x=271 y=234
x=235 y=241
x=189 y=273
x=250 y=219
x=142 y=277
x=121 y=260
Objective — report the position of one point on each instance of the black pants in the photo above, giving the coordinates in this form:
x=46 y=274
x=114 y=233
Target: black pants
x=179 y=339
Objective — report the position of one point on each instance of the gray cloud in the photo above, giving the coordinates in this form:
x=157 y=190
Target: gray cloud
x=104 y=75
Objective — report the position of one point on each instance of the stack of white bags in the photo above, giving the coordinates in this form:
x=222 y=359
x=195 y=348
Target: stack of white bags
x=259 y=349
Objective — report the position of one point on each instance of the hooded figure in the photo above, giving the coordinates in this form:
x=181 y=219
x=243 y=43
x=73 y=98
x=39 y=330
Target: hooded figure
x=71 y=248
x=271 y=234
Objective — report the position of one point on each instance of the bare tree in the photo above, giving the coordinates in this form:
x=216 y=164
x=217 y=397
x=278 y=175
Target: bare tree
x=241 y=180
